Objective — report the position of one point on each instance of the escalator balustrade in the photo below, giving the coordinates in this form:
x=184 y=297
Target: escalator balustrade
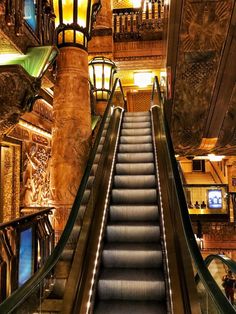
x=131 y=278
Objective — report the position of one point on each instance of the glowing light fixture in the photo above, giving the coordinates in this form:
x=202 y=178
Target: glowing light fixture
x=136 y=3
x=143 y=79
x=101 y=73
x=213 y=157
x=74 y=20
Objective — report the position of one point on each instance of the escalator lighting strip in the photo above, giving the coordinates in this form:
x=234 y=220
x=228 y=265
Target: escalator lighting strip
x=161 y=209
x=103 y=219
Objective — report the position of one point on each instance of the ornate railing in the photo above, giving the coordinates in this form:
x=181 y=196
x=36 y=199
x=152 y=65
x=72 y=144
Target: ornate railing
x=139 y=23
x=25 y=244
x=36 y=17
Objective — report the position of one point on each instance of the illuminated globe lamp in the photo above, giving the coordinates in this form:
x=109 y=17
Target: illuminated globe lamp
x=71 y=130
x=101 y=73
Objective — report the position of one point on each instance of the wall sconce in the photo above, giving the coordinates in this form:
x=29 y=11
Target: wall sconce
x=143 y=79
x=101 y=73
x=74 y=19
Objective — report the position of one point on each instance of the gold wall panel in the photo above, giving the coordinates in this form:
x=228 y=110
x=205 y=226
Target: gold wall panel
x=138 y=101
x=10 y=182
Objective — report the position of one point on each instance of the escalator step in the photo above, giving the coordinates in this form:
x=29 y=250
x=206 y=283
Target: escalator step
x=132 y=255
x=136 y=119
x=131 y=284
x=134 y=213
x=132 y=182
x=130 y=307
x=136 y=132
x=138 y=113
x=100 y=146
x=134 y=197
x=127 y=139
x=135 y=168
x=135 y=157
x=136 y=125
x=140 y=233
x=90 y=182
x=133 y=148
x=85 y=197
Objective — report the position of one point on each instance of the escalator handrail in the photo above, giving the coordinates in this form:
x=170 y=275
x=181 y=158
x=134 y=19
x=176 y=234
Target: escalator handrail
x=208 y=281
x=18 y=296
x=227 y=261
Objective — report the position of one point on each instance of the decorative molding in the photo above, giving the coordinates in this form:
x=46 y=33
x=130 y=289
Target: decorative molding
x=17 y=92
x=36 y=175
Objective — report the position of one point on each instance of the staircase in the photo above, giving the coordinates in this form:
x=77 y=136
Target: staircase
x=131 y=278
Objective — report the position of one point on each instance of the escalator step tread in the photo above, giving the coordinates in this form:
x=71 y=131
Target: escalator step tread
x=125 y=139
x=130 y=307
x=131 y=284
x=134 y=181
x=132 y=255
x=131 y=232
x=135 y=168
x=135 y=157
x=136 y=119
x=136 y=132
x=135 y=213
x=133 y=148
x=130 y=196
x=133 y=246
x=136 y=125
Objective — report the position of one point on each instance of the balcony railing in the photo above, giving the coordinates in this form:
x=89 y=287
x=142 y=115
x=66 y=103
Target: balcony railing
x=139 y=23
x=25 y=244
x=29 y=15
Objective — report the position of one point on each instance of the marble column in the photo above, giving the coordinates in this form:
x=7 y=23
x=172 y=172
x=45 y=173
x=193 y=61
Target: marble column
x=71 y=133
x=102 y=40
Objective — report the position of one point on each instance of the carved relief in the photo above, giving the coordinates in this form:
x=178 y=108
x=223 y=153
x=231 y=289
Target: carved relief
x=36 y=176
x=39 y=139
x=204 y=29
x=227 y=136
x=205 y=25
x=17 y=90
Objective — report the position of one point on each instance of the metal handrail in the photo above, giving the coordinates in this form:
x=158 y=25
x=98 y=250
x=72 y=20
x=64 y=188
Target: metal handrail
x=208 y=281
x=20 y=220
x=19 y=296
x=231 y=264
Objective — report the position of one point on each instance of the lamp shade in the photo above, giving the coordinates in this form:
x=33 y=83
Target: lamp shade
x=74 y=19
x=101 y=73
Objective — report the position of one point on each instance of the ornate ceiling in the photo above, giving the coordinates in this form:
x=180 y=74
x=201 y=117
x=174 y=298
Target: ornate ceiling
x=203 y=112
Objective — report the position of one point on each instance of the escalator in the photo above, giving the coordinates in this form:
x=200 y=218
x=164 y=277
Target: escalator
x=131 y=276
x=128 y=246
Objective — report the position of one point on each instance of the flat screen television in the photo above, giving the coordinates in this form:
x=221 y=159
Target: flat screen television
x=214 y=198
x=25 y=256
